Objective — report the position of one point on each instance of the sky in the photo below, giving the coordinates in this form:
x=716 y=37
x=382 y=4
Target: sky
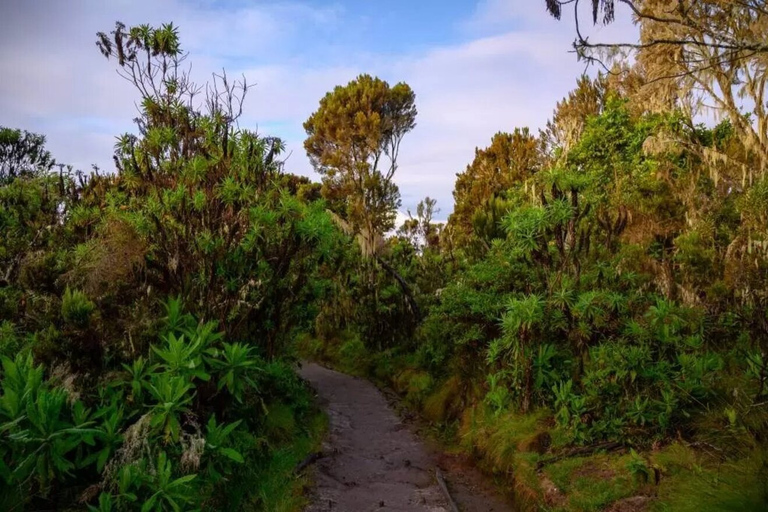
x=477 y=68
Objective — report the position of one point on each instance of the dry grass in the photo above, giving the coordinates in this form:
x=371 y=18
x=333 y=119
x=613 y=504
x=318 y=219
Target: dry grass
x=113 y=257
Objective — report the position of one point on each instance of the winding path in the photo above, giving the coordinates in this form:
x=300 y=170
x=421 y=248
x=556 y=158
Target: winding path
x=374 y=462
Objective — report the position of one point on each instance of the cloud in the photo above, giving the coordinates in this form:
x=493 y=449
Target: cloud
x=56 y=82
x=510 y=66
x=468 y=92
x=503 y=16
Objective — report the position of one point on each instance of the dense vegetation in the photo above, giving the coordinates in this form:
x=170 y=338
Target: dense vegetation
x=146 y=313
x=611 y=296
x=591 y=323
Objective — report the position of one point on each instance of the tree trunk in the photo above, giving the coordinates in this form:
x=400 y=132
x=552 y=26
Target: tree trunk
x=403 y=285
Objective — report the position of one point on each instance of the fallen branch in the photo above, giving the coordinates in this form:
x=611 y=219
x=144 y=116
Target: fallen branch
x=444 y=488
x=308 y=460
x=403 y=286
x=575 y=452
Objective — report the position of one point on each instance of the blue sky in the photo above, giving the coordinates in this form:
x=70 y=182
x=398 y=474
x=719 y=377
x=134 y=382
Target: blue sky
x=477 y=67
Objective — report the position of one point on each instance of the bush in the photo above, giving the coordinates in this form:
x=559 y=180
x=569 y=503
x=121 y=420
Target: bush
x=10 y=344
x=76 y=309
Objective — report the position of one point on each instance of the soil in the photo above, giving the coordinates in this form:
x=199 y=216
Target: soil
x=633 y=504
x=373 y=461
x=594 y=472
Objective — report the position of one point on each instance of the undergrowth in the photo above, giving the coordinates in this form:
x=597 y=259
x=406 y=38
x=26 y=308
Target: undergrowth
x=514 y=449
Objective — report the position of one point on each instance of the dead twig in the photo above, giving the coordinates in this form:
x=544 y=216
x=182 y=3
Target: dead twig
x=575 y=452
x=308 y=461
x=444 y=488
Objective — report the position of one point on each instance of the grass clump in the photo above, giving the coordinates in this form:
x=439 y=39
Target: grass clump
x=694 y=481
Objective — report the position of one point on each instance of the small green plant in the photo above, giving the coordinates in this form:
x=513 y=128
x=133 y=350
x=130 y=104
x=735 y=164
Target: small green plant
x=638 y=467
x=234 y=365
x=138 y=376
x=9 y=339
x=108 y=435
x=42 y=429
x=498 y=396
x=218 y=449
x=177 y=320
x=570 y=407
x=172 y=395
x=76 y=308
x=163 y=491
x=105 y=503
x=183 y=356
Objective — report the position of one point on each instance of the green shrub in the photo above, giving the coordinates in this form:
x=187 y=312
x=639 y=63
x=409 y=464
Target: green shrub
x=10 y=344
x=76 y=308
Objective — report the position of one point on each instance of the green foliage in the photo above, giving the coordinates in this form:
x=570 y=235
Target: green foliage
x=354 y=129
x=593 y=483
x=479 y=206
x=236 y=365
x=638 y=467
x=609 y=279
x=146 y=313
x=172 y=397
x=184 y=357
x=138 y=375
x=76 y=309
x=40 y=428
x=22 y=154
x=160 y=491
x=145 y=443
x=10 y=343
x=602 y=284
x=217 y=436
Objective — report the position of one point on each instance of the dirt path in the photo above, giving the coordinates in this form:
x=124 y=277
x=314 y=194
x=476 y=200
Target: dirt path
x=374 y=462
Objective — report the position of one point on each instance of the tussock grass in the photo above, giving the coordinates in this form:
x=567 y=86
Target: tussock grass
x=594 y=482
x=498 y=437
x=413 y=385
x=445 y=403
x=694 y=482
x=280 y=423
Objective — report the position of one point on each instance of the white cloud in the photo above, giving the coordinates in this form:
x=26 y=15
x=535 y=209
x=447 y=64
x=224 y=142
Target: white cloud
x=55 y=81
x=512 y=67
x=465 y=93
x=501 y=15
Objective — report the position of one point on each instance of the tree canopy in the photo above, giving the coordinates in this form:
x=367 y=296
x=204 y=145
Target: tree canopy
x=511 y=159
x=22 y=154
x=353 y=141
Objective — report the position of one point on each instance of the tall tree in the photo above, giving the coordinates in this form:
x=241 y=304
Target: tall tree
x=511 y=158
x=353 y=141
x=420 y=231
x=711 y=19
x=571 y=114
x=209 y=198
x=21 y=154
x=700 y=54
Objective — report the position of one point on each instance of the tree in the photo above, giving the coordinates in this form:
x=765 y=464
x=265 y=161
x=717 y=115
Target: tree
x=353 y=141
x=420 y=231
x=511 y=158
x=571 y=114
x=698 y=54
x=22 y=154
x=710 y=18
x=223 y=227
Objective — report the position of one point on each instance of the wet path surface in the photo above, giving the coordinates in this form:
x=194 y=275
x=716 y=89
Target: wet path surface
x=374 y=462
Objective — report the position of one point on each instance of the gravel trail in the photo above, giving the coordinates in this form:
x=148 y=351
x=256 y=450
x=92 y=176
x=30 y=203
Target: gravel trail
x=374 y=462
